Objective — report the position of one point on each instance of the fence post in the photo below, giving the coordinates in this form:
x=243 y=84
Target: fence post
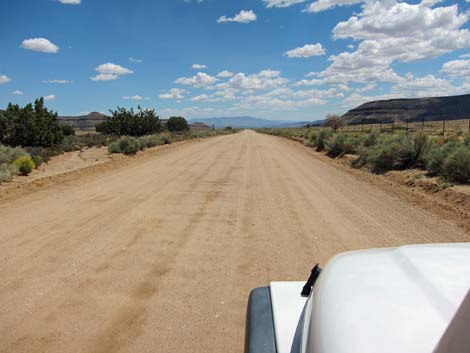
x=422 y=125
x=393 y=126
x=444 y=128
x=380 y=128
x=406 y=126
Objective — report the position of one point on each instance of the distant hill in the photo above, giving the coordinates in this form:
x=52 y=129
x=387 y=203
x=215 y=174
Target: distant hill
x=84 y=122
x=249 y=122
x=429 y=109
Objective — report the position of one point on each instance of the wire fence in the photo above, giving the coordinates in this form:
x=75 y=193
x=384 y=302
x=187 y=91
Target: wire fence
x=434 y=128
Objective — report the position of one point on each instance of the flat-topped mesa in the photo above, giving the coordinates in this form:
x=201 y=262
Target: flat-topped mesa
x=417 y=109
x=83 y=122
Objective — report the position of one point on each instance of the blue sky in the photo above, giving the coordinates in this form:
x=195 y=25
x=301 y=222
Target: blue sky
x=277 y=59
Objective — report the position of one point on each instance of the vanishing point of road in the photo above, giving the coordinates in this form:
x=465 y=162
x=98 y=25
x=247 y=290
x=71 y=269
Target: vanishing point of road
x=159 y=255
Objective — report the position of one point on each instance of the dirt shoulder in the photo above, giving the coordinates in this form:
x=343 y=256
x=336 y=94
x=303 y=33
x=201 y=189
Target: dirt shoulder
x=451 y=202
x=78 y=164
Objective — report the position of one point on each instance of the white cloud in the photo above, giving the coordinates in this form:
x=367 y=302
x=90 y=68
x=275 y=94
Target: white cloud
x=4 y=79
x=61 y=82
x=464 y=56
x=18 y=92
x=49 y=97
x=201 y=98
x=42 y=45
x=307 y=51
x=457 y=68
x=135 y=98
x=135 y=61
x=70 y=2
x=243 y=16
x=391 y=31
x=322 y=5
x=110 y=72
x=282 y=3
x=174 y=93
x=225 y=74
x=264 y=80
x=201 y=79
x=104 y=77
x=199 y=66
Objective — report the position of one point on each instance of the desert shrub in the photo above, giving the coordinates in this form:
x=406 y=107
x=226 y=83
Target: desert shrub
x=32 y=125
x=436 y=155
x=150 y=141
x=125 y=122
x=456 y=166
x=7 y=172
x=320 y=138
x=37 y=160
x=390 y=152
x=466 y=140
x=126 y=145
x=9 y=154
x=167 y=138
x=421 y=146
x=25 y=165
x=177 y=123
x=67 y=130
x=368 y=140
x=340 y=144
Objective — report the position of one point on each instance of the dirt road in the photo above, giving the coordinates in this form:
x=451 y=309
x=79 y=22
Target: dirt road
x=160 y=255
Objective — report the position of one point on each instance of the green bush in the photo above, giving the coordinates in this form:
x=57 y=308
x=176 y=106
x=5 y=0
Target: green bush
x=167 y=138
x=30 y=126
x=125 y=122
x=340 y=144
x=7 y=172
x=456 y=167
x=390 y=152
x=126 y=145
x=436 y=156
x=177 y=123
x=25 y=165
x=150 y=141
x=37 y=160
x=320 y=138
x=10 y=154
x=67 y=130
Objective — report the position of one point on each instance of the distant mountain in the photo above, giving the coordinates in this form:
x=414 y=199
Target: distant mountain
x=84 y=122
x=418 y=109
x=249 y=122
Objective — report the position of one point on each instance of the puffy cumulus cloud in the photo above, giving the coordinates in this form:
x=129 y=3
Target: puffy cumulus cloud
x=110 y=68
x=201 y=79
x=104 y=77
x=264 y=80
x=282 y=3
x=4 y=79
x=199 y=66
x=42 y=45
x=70 y=2
x=244 y=16
x=110 y=72
x=225 y=74
x=307 y=51
x=457 y=68
x=322 y=5
x=174 y=93
x=200 y=98
x=136 y=98
x=18 y=92
x=312 y=82
x=390 y=31
x=425 y=86
x=50 y=97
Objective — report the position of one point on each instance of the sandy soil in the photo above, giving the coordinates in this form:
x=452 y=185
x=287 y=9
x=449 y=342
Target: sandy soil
x=159 y=255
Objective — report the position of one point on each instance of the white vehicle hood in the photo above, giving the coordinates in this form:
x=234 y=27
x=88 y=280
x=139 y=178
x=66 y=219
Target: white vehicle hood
x=397 y=300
